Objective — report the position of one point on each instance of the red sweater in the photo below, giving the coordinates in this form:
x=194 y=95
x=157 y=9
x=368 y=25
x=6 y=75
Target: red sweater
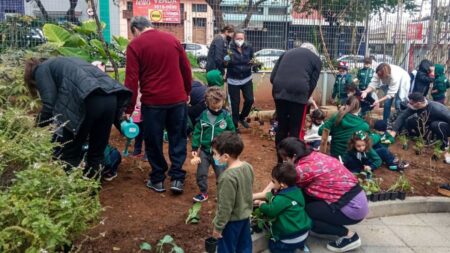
x=158 y=65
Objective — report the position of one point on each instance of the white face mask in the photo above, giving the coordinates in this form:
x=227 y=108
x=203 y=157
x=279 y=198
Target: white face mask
x=239 y=43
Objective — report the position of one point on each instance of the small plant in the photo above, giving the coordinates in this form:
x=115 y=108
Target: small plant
x=404 y=141
x=194 y=214
x=259 y=222
x=169 y=241
x=402 y=184
x=437 y=151
x=419 y=145
x=369 y=184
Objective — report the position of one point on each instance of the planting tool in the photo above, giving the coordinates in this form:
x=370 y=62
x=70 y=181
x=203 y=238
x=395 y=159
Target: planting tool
x=130 y=130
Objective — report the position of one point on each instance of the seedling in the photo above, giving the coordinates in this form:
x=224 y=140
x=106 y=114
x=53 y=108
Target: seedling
x=168 y=240
x=370 y=185
x=259 y=222
x=404 y=141
x=194 y=214
x=419 y=145
x=437 y=151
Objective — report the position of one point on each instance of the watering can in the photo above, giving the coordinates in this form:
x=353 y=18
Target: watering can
x=130 y=130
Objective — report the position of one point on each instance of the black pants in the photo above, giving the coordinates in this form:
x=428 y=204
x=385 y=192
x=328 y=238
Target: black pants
x=100 y=114
x=439 y=129
x=235 y=99
x=326 y=220
x=290 y=119
x=174 y=119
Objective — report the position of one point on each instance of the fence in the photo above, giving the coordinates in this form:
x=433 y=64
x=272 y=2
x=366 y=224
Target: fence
x=402 y=32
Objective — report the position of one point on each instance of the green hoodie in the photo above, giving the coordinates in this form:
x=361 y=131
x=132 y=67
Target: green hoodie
x=205 y=131
x=385 y=139
x=288 y=210
x=340 y=85
x=441 y=83
x=214 y=78
x=365 y=76
x=342 y=133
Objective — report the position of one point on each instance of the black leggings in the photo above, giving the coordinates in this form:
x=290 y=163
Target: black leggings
x=99 y=117
x=235 y=98
x=326 y=220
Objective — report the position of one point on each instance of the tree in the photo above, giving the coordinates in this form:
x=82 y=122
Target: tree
x=41 y=8
x=70 y=14
x=249 y=6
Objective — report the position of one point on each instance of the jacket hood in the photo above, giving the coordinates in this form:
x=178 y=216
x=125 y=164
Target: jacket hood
x=351 y=121
x=439 y=69
x=425 y=65
x=214 y=78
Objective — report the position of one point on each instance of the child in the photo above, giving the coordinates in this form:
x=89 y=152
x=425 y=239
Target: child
x=440 y=85
x=365 y=74
x=213 y=121
x=342 y=125
x=137 y=118
x=367 y=103
x=312 y=138
x=214 y=78
x=381 y=140
x=343 y=79
x=287 y=207
x=234 y=195
x=360 y=155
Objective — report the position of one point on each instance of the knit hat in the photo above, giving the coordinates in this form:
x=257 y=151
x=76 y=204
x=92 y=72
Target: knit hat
x=343 y=65
x=380 y=125
x=214 y=78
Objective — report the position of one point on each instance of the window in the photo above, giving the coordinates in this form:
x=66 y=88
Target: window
x=130 y=6
x=199 y=7
x=199 y=22
x=240 y=10
x=277 y=11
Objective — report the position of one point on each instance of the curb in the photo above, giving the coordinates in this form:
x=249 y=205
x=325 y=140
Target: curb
x=411 y=205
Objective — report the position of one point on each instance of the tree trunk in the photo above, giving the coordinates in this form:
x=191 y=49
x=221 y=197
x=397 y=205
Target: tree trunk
x=105 y=45
x=70 y=14
x=42 y=9
x=217 y=12
x=250 y=9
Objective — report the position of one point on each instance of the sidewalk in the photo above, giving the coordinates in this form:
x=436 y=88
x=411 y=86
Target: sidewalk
x=415 y=233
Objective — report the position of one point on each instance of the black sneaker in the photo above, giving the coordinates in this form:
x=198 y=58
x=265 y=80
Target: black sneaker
x=345 y=244
x=177 y=186
x=244 y=123
x=157 y=187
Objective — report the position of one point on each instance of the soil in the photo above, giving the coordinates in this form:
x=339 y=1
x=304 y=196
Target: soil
x=134 y=214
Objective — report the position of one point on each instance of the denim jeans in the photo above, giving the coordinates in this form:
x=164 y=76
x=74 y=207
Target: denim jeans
x=281 y=247
x=385 y=155
x=236 y=238
x=388 y=105
x=174 y=119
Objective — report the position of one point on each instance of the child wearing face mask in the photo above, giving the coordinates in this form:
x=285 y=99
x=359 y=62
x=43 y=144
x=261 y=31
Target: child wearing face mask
x=213 y=121
x=360 y=155
x=343 y=79
x=365 y=74
x=312 y=137
x=286 y=205
x=234 y=195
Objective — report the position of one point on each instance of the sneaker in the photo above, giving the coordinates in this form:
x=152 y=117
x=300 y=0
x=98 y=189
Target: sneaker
x=157 y=187
x=444 y=190
x=345 y=244
x=201 y=197
x=402 y=165
x=244 y=123
x=177 y=186
x=109 y=176
x=393 y=167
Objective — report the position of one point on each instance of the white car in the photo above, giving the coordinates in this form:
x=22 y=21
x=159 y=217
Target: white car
x=200 y=51
x=268 y=57
x=356 y=61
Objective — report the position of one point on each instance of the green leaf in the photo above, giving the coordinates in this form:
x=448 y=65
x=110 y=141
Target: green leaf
x=75 y=41
x=166 y=239
x=121 y=42
x=97 y=44
x=194 y=215
x=56 y=34
x=145 y=246
x=75 y=52
x=89 y=27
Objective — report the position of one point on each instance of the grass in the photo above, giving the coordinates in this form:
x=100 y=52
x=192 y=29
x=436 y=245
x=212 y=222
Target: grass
x=201 y=76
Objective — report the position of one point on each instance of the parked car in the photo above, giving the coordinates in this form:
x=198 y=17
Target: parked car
x=200 y=51
x=356 y=61
x=268 y=57
x=382 y=58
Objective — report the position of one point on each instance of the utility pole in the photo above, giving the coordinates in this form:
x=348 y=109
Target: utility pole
x=431 y=26
x=366 y=50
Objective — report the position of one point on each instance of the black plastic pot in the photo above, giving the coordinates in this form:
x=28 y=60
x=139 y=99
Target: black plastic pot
x=401 y=195
x=383 y=196
x=211 y=245
x=374 y=197
x=393 y=195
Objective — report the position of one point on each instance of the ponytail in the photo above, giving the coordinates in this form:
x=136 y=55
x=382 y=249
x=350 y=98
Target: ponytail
x=351 y=106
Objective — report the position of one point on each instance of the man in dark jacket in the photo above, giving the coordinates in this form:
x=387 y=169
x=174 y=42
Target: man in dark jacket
x=197 y=104
x=218 y=50
x=423 y=118
x=82 y=101
x=294 y=79
x=424 y=77
x=158 y=65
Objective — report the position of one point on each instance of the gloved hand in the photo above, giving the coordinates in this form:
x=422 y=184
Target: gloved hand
x=227 y=58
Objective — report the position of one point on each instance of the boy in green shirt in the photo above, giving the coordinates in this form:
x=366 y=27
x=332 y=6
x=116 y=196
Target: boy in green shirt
x=287 y=207
x=234 y=195
x=365 y=74
x=343 y=79
x=440 y=85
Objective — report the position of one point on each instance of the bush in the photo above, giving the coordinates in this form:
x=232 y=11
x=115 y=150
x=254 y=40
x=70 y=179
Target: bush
x=43 y=208
x=201 y=76
x=192 y=60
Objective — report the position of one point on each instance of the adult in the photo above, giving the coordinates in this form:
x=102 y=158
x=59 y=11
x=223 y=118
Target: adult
x=239 y=78
x=333 y=196
x=197 y=103
x=158 y=65
x=422 y=118
x=294 y=79
x=218 y=49
x=423 y=77
x=397 y=84
x=82 y=101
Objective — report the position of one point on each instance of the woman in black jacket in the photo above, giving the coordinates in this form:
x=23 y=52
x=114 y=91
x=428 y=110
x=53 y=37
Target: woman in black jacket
x=239 y=62
x=82 y=101
x=424 y=77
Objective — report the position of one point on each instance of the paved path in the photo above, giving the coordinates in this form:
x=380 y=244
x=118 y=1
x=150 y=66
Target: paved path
x=415 y=233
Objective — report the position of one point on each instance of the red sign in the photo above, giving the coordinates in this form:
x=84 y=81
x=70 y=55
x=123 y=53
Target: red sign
x=414 y=31
x=158 y=11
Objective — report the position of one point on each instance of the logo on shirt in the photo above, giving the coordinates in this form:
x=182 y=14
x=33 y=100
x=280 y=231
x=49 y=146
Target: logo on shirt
x=223 y=125
x=294 y=203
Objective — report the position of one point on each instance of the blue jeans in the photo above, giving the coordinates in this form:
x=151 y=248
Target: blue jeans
x=236 y=238
x=385 y=155
x=314 y=144
x=388 y=105
x=281 y=247
x=174 y=119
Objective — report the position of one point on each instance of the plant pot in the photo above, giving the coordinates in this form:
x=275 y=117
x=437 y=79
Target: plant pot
x=368 y=197
x=211 y=245
x=393 y=195
x=401 y=195
x=374 y=197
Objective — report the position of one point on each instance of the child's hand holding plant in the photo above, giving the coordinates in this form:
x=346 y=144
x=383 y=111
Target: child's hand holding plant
x=196 y=159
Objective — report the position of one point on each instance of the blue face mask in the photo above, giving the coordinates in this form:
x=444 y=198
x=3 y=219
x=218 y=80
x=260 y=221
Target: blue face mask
x=220 y=165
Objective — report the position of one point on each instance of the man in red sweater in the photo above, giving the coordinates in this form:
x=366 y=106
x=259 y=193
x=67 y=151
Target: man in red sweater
x=157 y=65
